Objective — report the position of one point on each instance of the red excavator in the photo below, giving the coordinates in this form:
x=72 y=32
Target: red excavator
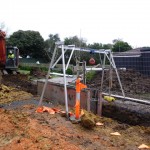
x=9 y=56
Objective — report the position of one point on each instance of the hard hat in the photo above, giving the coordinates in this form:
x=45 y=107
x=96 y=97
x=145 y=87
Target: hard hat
x=10 y=52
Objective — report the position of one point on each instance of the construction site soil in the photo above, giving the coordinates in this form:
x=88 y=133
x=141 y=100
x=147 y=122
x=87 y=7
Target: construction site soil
x=23 y=128
x=134 y=83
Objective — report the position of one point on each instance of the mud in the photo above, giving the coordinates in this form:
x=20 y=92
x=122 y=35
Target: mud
x=134 y=84
x=22 y=128
x=10 y=94
x=127 y=112
x=27 y=129
x=21 y=82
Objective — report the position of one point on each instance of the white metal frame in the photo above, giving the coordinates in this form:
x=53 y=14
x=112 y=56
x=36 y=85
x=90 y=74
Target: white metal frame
x=107 y=54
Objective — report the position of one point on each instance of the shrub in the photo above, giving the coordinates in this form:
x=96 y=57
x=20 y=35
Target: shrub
x=69 y=71
x=90 y=75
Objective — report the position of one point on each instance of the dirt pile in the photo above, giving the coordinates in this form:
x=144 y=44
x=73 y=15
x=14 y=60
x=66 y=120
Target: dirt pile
x=21 y=82
x=23 y=128
x=9 y=94
x=38 y=72
x=133 y=82
x=16 y=87
x=88 y=119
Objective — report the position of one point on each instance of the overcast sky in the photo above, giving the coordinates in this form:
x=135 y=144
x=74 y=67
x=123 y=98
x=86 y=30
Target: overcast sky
x=95 y=20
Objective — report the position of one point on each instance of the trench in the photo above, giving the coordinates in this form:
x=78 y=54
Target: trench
x=123 y=111
x=127 y=112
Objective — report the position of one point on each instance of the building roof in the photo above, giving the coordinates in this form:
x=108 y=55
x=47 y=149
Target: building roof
x=132 y=53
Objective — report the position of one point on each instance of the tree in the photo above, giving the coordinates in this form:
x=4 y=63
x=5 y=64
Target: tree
x=78 y=42
x=29 y=43
x=50 y=44
x=96 y=46
x=100 y=46
x=120 y=46
x=107 y=46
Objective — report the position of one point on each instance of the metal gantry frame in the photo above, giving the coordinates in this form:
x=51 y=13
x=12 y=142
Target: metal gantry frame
x=64 y=48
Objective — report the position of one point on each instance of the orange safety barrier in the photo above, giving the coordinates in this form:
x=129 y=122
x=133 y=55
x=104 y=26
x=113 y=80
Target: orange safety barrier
x=79 y=87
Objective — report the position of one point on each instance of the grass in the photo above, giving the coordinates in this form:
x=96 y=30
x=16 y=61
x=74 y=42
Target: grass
x=24 y=71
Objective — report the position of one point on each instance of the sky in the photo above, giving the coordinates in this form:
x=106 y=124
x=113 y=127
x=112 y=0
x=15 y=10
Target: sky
x=96 y=21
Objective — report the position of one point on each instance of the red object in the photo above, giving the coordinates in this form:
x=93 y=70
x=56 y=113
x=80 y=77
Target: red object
x=2 y=48
x=92 y=61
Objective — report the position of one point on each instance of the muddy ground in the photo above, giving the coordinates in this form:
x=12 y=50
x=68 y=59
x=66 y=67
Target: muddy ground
x=134 y=84
x=22 y=128
x=20 y=82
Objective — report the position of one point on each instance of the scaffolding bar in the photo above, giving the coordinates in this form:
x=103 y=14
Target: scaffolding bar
x=95 y=69
x=47 y=77
x=147 y=102
x=102 y=51
x=60 y=74
x=65 y=82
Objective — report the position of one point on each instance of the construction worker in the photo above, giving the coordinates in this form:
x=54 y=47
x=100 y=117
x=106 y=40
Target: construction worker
x=10 y=57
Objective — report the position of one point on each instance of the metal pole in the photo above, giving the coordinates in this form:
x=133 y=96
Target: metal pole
x=65 y=86
x=88 y=100
x=47 y=76
x=70 y=57
x=58 y=59
x=78 y=70
x=84 y=72
x=103 y=67
x=117 y=74
x=109 y=58
x=99 y=106
x=100 y=59
x=102 y=51
x=147 y=102
x=110 y=77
